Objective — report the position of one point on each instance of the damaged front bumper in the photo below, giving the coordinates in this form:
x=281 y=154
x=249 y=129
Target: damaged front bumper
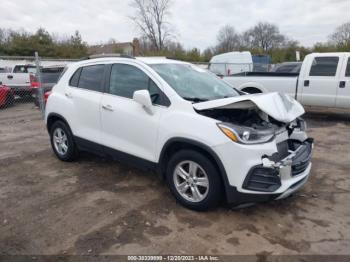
x=277 y=176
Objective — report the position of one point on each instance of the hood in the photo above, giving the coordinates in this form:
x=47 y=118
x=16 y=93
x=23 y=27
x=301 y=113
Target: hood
x=281 y=107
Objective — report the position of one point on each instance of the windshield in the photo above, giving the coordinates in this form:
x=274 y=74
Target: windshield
x=193 y=83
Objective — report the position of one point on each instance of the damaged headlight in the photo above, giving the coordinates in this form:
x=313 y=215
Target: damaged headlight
x=246 y=135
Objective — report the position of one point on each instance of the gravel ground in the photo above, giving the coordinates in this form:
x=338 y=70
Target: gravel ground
x=98 y=206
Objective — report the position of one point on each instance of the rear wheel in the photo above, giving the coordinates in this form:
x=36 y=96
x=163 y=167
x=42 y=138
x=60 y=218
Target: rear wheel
x=194 y=180
x=10 y=100
x=62 y=142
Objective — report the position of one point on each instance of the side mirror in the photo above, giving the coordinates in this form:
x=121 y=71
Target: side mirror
x=144 y=98
x=0 y=83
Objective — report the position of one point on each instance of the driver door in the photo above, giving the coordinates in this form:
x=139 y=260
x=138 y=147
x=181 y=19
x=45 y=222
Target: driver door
x=126 y=125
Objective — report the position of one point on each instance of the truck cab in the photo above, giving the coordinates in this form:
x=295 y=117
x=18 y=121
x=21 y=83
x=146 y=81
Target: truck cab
x=324 y=80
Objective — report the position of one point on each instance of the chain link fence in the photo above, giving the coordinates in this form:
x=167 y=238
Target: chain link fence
x=28 y=80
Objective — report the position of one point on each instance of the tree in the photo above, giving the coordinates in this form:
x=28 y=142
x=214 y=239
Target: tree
x=341 y=36
x=227 y=40
x=265 y=36
x=150 y=17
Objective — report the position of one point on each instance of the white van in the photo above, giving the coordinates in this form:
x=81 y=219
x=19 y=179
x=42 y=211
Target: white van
x=231 y=63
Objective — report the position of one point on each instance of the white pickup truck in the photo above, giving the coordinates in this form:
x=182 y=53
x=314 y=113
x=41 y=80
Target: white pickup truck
x=19 y=78
x=324 y=80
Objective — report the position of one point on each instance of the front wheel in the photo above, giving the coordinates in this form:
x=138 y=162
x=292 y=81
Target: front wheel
x=194 y=180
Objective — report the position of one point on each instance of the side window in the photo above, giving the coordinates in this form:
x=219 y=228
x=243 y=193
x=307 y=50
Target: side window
x=347 y=72
x=74 y=80
x=126 y=79
x=324 y=66
x=91 y=77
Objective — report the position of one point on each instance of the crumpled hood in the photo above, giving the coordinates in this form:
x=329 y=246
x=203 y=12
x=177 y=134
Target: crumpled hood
x=279 y=106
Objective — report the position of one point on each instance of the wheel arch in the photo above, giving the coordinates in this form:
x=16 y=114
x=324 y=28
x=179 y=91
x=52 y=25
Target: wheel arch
x=178 y=143
x=52 y=118
x=252 y=85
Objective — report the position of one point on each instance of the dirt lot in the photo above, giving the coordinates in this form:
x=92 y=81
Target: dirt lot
x=97 y=206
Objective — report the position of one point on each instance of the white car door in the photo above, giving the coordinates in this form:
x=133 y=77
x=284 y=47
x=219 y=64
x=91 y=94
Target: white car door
x=126 y=126
x=343 y=90
x=85 y=93
x=319 y=85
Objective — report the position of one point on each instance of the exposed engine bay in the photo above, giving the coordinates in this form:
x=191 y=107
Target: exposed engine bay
x=251 y=118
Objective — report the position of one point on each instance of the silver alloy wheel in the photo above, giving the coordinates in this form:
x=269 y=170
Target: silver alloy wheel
x=191 y=181
x=60 y=141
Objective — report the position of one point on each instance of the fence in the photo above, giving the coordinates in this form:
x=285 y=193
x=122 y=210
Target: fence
x=27 y=79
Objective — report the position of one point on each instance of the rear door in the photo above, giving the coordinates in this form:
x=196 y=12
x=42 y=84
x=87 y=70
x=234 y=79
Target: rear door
x=343 y=90
x=320 y=83
x=85 y=93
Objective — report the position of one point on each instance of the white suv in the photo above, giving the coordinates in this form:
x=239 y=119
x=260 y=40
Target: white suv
x=207 y=140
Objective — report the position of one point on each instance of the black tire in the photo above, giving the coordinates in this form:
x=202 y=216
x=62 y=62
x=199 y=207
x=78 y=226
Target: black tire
x=215 y=192
x=10 y=100
x=72 y=152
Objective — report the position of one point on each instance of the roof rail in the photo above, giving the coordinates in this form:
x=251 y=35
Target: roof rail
x=106 y=56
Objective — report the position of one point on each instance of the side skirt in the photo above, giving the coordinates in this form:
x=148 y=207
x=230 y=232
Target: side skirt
x=92 y=147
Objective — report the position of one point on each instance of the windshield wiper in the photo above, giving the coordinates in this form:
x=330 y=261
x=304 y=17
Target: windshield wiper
x=195 y=99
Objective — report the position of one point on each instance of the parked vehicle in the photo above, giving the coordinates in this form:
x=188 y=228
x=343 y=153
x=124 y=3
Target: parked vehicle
x=49 y=77
x=324 y=80
x=288 y=67
x=261 y=63
x=202 y=136
x=19 y=79
x=6 y=96
x=231 y=63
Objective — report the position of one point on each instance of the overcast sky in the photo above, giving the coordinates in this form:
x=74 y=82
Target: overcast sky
x=196 y=22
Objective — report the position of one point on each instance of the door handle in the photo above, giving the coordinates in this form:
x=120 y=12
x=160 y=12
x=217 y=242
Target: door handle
x=307 y=83
x=108 y=107
x=10 y=77
x=69 y=95
x=342 y=84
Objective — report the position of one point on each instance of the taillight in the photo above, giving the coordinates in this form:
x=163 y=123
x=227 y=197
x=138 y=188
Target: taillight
x=46 y=96
x=33 y=81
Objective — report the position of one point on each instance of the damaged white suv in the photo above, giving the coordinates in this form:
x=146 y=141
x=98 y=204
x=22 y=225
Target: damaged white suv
x=207 y=140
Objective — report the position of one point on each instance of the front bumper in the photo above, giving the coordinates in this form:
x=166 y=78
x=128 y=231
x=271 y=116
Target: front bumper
x=271 y=176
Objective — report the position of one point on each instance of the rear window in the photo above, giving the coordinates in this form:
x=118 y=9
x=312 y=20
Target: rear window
x=91 y=77
x=51 y=75
x=24 y=69
x=347 y=72
x=324 y=66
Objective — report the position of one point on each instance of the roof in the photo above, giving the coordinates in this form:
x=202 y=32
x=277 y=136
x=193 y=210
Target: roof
x=146 y=60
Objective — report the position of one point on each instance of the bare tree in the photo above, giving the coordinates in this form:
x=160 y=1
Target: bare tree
x=265 y=36
x=150 y=17
x=228 y=40
x=341 y=36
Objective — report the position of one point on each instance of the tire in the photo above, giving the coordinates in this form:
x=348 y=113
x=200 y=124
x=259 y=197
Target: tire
x=203 y=198
x=67 y=152
x=10 y=100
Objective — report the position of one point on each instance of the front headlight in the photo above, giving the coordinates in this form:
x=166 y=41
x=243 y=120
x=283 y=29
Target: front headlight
x=245 y=135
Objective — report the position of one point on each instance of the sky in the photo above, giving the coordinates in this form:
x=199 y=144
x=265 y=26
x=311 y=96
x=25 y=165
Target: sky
x=196 y=22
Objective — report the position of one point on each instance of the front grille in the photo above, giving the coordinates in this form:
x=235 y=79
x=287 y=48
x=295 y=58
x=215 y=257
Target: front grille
x=302 y=159
x=262 y=179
